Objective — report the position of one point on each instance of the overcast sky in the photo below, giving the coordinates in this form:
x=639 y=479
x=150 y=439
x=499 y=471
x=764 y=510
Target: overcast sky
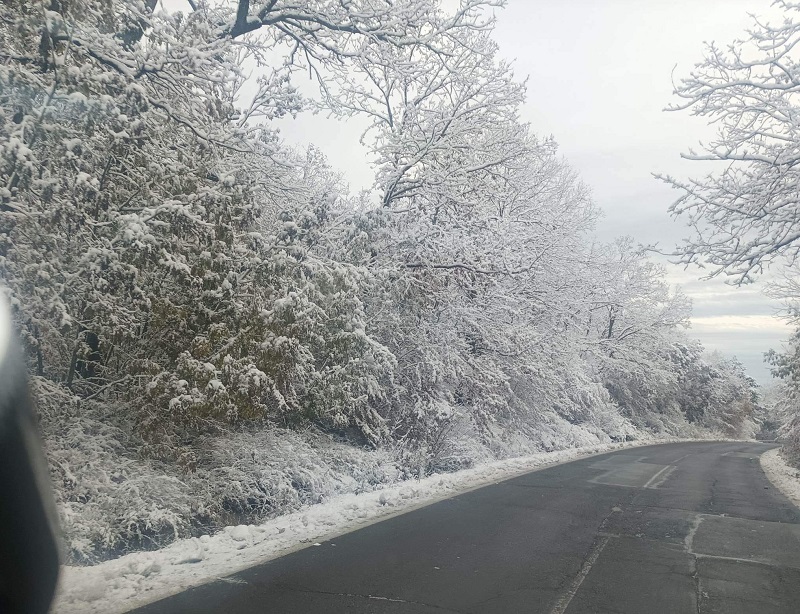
x=599 y=76
x=600 y=73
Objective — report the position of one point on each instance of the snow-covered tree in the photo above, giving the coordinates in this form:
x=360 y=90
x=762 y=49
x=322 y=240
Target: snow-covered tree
x=158 y=238
x=180 y=274
x=744 y=210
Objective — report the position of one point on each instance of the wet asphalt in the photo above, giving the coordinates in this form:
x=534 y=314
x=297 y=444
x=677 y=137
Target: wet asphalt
x=686 y=527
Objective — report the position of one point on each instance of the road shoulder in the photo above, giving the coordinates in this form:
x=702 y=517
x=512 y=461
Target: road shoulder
x=784 y=477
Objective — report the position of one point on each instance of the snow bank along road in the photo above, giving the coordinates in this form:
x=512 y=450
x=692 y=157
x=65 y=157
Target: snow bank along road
x=688 y=527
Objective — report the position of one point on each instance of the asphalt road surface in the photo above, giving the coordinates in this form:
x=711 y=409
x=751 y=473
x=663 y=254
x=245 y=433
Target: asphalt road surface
x=690 y=527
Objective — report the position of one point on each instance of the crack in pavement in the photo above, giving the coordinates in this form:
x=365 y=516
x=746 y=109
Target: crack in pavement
x=589 y=559
x=713 y=494
x=688 y=544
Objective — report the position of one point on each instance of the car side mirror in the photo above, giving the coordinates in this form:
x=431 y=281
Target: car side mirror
x=28 y=549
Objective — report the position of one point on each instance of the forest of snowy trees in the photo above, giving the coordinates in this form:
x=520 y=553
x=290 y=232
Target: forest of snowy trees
x=215 y=326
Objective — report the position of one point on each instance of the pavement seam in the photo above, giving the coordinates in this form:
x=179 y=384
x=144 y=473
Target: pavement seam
x=563 y=602
x=698 y=591
x=735 y=559
x=688 y=544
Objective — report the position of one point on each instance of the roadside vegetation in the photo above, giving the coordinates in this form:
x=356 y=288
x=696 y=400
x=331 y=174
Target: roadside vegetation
x=218 y=331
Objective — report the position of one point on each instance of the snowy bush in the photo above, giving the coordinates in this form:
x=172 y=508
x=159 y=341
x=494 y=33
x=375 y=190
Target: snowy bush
x=109 y=501
x=250 y=476
x=112 y=501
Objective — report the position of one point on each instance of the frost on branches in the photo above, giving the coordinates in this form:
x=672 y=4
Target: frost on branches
x=744 y=210
x=207 y=310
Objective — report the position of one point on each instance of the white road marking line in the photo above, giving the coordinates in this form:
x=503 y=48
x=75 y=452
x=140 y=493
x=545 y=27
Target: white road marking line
x=563 y=603
x=655 y=477
x=378 y=598
x=663 y=477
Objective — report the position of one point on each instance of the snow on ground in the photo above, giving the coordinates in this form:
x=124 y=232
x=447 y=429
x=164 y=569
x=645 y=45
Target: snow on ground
x=783 y=477
x=142 y=577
